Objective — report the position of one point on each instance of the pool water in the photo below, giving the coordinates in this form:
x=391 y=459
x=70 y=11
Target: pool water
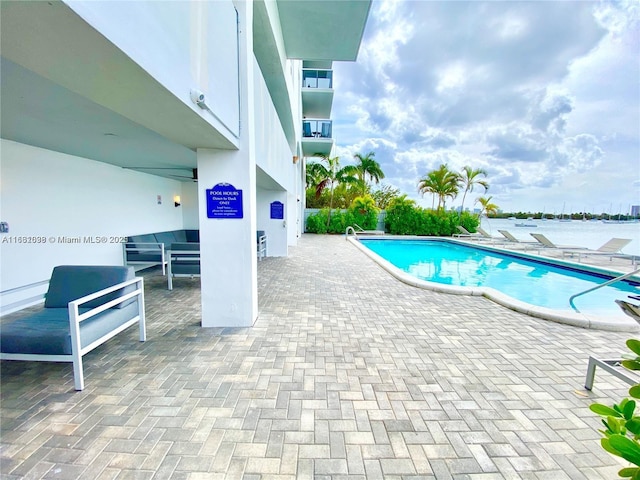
x=535 y=282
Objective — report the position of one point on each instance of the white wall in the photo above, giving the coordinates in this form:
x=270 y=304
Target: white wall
x=183 y=45
x=274 y=155
x=190 y=206
x=50 y=195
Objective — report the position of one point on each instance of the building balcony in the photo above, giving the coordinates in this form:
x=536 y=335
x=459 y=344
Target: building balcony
x=317 y=93
x=315 y=78
x=317 y=137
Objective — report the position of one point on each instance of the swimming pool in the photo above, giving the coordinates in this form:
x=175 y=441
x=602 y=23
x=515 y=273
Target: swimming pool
x=527 y=283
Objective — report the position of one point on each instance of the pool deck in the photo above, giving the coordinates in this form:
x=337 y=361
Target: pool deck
x=347 y=373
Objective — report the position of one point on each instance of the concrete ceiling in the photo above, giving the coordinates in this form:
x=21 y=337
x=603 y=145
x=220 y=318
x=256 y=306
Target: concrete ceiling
x=66 y=88
x=57 y=92
x=38 y=112
x=316 y=103
x=323 y=29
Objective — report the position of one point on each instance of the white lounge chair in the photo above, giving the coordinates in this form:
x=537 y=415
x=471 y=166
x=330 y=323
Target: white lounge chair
x=513 y=240
x=614 y=366
x=546 y=243
x=482 y=235
x=612 y=249
x=464 y=233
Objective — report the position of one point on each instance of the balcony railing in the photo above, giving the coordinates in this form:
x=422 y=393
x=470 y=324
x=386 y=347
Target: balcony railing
x=314 y=78
x=316 y=128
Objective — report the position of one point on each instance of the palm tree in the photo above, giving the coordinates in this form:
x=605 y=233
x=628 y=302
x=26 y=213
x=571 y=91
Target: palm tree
x=329 y=175
x=312 y=176
x=469 y=178
x=364 y=204
x=487 y=207
x=368 y=167
x=442 y=183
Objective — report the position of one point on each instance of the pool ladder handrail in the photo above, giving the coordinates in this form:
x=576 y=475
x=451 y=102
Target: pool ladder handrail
x=609 y=282
x=346 y=233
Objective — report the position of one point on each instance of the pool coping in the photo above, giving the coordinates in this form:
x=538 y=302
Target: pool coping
x=568 y=318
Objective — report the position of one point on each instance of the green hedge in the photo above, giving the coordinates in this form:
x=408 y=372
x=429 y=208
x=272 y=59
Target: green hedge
x=400 y=220
x=362 y=212
x=406 y=219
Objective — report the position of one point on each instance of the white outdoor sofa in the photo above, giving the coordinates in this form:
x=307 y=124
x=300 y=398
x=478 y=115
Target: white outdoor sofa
x=84 y=307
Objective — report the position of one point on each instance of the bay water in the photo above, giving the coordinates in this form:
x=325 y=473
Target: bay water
x=588 y=234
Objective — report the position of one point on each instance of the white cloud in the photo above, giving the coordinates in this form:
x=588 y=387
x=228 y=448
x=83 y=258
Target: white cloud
x=538 y=93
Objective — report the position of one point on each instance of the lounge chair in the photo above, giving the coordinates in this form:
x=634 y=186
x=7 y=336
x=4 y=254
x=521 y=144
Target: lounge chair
x=481 y=235
x=511 y=239
x=545 y=242
x=614 y=366
x=612 y=249
x=466 y=233
x=487 y=236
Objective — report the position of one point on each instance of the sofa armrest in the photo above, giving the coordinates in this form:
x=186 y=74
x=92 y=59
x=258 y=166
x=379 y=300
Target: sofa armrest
x=143 y=246
x=75 y=318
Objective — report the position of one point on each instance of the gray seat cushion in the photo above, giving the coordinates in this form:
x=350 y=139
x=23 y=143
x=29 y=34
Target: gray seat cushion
x=186 y=264
x=70 y=282
x=46 y=332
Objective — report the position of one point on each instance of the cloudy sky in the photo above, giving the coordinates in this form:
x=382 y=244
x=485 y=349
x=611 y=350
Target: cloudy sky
x=544 y=95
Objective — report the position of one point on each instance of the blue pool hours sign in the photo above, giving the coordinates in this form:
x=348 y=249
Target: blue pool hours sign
x=277 y=210
x=224 y=201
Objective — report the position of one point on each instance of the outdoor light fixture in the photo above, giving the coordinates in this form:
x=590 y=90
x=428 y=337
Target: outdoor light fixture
x=295 y=159
x=176 y=200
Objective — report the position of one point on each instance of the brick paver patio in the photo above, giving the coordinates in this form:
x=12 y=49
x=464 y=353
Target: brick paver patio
x=347 y=373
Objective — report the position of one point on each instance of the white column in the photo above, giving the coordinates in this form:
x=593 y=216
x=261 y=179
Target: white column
x=228 y=245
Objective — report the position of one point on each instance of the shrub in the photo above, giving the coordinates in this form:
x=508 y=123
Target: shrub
x=405 y=218
x=317 y=222
x=364 y=212
x=622 y=427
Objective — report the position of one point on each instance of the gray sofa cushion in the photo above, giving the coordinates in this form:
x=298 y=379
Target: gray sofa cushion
x=46 y=332
x=186 y=264
x=165 y=237
x=192 y=235
x=70 y=282
x=135 y=240
x=180 y=236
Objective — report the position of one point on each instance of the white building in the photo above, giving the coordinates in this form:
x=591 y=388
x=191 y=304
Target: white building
x=100 y=130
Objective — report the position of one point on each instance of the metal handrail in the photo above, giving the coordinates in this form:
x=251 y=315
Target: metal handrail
x=346 y=233
x=609 y=282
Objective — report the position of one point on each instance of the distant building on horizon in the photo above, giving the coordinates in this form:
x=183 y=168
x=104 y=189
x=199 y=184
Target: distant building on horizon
x=635 y=210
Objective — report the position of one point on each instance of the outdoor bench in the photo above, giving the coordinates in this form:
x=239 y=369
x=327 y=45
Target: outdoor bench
x=84 y=307
x=150 y=249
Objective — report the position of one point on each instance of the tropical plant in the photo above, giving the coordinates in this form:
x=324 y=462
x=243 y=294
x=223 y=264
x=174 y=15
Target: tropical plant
x=312 y=176
x=365 y=212
x=469 y=178
x=405 y=218
x=622 y=426
x=327 y=176
x=442 y=183
x=384 y=195
x=366 y=166
x=486 y=207
x=344 y=194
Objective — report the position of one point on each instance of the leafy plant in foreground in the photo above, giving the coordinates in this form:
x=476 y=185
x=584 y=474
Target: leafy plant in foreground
x=621 y=436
